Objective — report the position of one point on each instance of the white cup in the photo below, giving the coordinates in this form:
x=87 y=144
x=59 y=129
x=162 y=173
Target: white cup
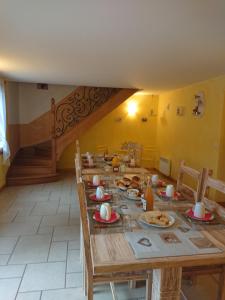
x=90 y=161
x=105 y=211
x=122 y=168
x=100 y=192
x=199 y=210
x=96 y=180
x=155 y=179
x=169 y=190
x=126 y=158
x=132 y=162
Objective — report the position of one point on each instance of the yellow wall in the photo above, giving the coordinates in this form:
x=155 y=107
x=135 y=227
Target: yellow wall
x=112 y=133
x=196 y=140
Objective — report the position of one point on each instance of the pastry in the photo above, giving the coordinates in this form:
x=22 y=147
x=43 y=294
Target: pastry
x=157 y=217
x=134 y=185
x=136 y=178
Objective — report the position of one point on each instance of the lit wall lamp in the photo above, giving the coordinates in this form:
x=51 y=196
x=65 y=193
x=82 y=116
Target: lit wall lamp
x=132 y=108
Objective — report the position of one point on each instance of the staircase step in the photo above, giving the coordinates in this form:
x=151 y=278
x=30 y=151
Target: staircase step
x=34 y=179
x=17 y=170
x=32 y=161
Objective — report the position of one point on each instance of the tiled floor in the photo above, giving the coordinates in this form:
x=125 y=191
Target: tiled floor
x=39 y=248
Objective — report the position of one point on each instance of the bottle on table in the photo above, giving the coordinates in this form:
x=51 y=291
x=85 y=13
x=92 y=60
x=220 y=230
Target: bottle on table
x=148 y=203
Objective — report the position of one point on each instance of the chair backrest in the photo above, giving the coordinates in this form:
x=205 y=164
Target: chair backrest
x=77 y=143
x=78 y=166
x=85 y=226
x=78 y=147
x=215 y=184
x=187 y=190
x=209 y=182
x=102 y=149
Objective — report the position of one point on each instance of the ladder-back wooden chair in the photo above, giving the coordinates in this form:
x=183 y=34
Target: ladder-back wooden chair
x=209 y=183
x=188 y=191
x=93 y=278
x=102 y=149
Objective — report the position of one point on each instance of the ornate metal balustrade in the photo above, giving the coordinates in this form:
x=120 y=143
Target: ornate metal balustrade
x=81 y=104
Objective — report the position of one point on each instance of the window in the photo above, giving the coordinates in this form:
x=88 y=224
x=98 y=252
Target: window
x=3 y=142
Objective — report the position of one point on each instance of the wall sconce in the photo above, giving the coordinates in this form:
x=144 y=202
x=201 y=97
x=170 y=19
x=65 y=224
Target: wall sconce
x=132 y=108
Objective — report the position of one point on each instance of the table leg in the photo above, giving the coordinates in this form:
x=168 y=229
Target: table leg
x=166 y=284
x=221 y=293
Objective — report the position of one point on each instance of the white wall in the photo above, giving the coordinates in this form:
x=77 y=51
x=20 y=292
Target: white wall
x=34 y=102
x=12 y=98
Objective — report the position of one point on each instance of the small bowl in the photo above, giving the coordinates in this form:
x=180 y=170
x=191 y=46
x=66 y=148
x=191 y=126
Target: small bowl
x=132 y=192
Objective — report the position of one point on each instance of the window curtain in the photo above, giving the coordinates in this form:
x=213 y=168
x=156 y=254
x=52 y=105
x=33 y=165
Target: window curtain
x=3 y=142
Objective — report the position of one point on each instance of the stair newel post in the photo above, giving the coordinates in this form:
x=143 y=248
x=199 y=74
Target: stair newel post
x=53 y=112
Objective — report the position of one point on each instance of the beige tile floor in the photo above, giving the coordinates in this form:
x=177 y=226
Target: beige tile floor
x=39 y=248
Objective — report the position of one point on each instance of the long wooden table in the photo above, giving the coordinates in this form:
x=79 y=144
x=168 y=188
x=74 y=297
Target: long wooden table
x=111 y=252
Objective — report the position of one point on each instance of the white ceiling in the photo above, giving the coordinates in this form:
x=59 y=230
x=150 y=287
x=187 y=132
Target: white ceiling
x=148 y=44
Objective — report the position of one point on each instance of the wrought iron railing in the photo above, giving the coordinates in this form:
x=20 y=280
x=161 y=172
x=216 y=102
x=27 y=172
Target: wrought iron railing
x=79 y=105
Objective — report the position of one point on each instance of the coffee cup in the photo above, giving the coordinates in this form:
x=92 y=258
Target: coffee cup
x=96 y=180
x=155 y=179
x=107 y=168
x=199 y=210
x=169 y=190
x=122 y=168
x=105 y=211
x=100 y=192
x=90 y=162
x=132 y=162
x=132 y=192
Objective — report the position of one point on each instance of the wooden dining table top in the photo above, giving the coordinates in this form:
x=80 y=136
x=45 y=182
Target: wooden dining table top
x=111 y=252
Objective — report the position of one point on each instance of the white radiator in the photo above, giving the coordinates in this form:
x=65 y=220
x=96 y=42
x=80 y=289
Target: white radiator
x=164 y=166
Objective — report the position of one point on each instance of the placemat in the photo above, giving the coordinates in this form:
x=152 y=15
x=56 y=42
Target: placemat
x=178 y=240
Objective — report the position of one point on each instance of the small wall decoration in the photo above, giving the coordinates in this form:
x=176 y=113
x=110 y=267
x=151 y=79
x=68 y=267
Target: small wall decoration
x=198 y=109
x=180 y=111
x=144 y=119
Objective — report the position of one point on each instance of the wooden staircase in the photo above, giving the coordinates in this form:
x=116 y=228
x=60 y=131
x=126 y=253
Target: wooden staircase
x=44 y=139
x=32 y=165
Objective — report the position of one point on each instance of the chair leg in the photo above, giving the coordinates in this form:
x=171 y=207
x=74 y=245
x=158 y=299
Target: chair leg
x=90 y=288
x=132 y=284
x=112 y=286
x=149 y=286
x=221 y=293
x=85 y=279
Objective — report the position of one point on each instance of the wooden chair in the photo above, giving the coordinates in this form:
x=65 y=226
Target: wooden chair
x=102 y=149
x=93 y=278
x=185 y=189
x=210 y=183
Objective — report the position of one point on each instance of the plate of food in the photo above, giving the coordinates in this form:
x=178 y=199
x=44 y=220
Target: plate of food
x=125 y=183
x=120 y=184
x=156 y=218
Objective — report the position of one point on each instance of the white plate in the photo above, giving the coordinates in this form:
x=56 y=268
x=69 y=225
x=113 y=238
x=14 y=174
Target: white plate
x=122 y=188
x=142 y=219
